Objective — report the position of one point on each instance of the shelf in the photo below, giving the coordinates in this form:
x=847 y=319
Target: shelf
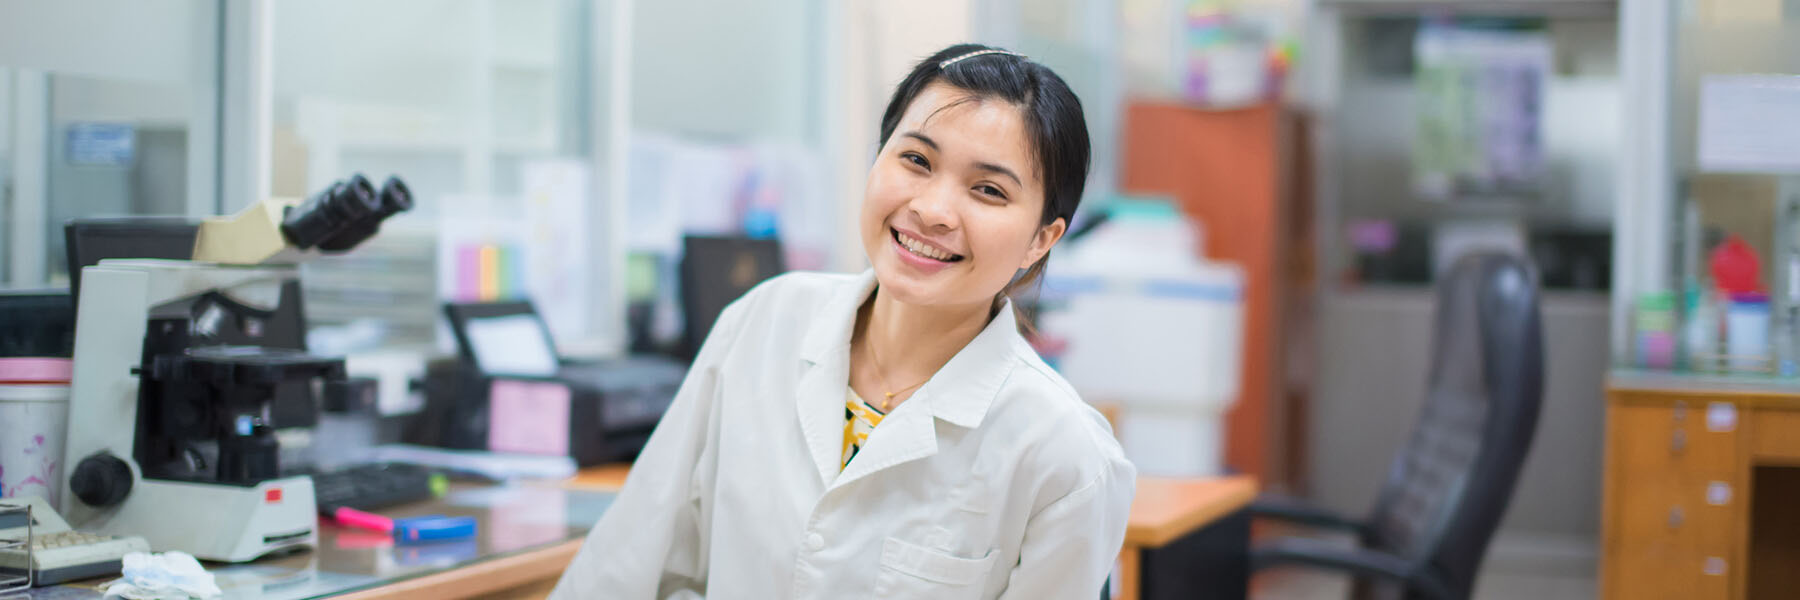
x=1521 y=8
x=1625 y=378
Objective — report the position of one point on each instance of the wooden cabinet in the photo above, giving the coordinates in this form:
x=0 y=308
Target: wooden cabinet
x=1671 y=502
x=1702 y=497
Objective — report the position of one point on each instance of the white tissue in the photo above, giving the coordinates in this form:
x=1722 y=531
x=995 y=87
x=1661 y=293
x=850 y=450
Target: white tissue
x=162 y=576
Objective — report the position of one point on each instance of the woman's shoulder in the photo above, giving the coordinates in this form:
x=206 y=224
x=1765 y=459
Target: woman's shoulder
x=1061 y=432
x=800 y=285
x=791 y=291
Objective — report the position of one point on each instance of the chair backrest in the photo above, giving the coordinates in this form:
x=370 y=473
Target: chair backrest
x=1449 y=486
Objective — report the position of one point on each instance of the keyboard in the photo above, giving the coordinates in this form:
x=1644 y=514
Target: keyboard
x=373 y=486
x=54 y=553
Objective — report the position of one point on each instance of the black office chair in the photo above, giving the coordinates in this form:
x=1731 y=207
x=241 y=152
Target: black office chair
x=1450 y=484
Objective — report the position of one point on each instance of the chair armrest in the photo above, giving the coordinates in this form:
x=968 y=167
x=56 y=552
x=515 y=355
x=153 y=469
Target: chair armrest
x=1293 y=510
x=1354 y=561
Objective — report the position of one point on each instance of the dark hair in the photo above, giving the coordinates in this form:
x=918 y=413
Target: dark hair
x=1052 y=113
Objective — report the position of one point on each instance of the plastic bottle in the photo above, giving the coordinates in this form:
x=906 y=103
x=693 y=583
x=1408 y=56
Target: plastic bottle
x=1700 y=333
x=1656 y=330
x=1747 y=332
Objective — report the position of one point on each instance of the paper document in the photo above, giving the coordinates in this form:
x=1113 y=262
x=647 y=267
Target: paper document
x=492 y=465
x=1750 y=124
x=514 y=345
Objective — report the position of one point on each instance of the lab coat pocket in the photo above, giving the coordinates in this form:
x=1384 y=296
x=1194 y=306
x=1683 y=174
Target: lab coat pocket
x=909 y=570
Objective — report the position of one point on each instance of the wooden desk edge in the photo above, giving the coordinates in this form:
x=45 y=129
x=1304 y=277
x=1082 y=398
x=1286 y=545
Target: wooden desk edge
x=1238 y=492
x=608 y=477
x=484 y=577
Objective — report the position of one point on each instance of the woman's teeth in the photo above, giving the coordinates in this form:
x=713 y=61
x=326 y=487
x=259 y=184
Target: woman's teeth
x=919 y=248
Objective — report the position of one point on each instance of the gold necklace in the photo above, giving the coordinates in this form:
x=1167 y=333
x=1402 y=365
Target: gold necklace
x=869 y=341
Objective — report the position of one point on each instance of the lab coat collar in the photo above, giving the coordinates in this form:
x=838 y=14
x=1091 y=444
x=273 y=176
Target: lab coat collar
x=960 y=393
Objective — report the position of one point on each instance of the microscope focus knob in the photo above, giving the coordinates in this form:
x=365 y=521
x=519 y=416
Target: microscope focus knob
x=101 y=480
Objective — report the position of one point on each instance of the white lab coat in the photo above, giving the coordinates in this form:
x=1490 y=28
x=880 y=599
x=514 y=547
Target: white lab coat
x=993 y=480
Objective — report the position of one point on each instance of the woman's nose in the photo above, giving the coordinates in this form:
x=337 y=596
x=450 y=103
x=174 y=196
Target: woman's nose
x=935 y=206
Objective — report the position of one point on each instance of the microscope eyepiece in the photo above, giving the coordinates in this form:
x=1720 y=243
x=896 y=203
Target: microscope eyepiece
x=321 y=217
x=395 y=197
x=346 y=214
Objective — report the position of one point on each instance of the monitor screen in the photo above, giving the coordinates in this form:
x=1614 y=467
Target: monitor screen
x=88 y=241
x=511 y=345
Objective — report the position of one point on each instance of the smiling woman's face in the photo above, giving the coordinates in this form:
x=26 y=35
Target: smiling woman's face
x=954 y=201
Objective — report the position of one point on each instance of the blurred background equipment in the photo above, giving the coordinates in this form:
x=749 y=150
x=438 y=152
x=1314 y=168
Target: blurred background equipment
x=1146 y=326
x=510 y=392
x=714 y=272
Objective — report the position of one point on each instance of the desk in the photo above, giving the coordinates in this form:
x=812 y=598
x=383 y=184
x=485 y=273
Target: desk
x=527 y=534
x=1702 y=488
x=1183 y=534
x=1186 y=535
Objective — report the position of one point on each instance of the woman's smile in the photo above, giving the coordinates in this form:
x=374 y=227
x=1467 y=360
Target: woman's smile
x=920 y=253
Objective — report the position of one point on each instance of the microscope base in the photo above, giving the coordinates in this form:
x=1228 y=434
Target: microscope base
x=217 y=522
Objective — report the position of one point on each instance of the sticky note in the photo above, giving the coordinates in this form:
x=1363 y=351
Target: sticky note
x=528 y=417
x=1721 y=417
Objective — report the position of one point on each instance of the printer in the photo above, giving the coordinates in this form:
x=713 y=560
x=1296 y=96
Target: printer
x=508 y=391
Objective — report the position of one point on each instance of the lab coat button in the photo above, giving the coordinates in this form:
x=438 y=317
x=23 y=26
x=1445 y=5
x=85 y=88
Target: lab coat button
x=815 y=542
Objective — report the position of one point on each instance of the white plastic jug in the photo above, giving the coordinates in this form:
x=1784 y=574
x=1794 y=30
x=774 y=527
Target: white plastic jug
x=34 y=416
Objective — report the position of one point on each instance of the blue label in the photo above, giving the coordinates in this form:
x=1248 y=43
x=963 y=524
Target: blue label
x=101 y=144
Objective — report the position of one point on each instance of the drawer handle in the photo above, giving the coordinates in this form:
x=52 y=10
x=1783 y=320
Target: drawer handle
x=1678 y=442
x=1679 y=412
x=1675 y=517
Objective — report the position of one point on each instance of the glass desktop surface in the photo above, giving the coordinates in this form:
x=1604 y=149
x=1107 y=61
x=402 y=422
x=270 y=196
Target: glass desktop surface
x=512 y=519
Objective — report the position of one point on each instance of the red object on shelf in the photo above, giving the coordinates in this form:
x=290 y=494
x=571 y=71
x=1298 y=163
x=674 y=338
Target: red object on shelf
x=1735 y=269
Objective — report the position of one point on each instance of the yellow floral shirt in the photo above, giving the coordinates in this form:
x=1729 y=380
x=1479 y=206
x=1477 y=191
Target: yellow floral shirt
x=859 y=420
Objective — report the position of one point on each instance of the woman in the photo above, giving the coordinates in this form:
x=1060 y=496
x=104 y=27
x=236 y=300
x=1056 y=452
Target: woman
x=891 y=434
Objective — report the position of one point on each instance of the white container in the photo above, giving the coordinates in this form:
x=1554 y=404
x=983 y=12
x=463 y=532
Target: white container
x=1747 y=334
x=34 y=417
x=1156 y=330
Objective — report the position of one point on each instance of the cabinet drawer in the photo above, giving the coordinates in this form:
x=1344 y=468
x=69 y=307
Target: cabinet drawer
x=1656 y=572
x=1657 y=440
x=1680 y=510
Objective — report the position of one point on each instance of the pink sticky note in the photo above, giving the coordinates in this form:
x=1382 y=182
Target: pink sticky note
x=529 y=417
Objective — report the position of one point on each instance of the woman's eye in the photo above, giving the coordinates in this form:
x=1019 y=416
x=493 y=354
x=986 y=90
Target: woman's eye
x=915 y=158
x=991 y=191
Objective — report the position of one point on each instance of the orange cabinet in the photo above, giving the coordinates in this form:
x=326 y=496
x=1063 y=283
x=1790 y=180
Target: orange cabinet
x=1702 y=489
x=1673 y=494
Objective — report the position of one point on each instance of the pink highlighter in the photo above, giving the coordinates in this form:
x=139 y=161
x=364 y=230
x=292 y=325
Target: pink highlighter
x=415 y=529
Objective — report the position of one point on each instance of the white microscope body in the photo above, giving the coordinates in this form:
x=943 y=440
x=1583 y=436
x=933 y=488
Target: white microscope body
x=212 y=521
x=177 y=367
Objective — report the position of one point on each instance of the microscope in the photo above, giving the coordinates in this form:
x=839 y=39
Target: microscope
x=178 y=364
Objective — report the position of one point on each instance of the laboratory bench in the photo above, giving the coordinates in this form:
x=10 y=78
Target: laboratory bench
x=526 y=534
x=1182 y=535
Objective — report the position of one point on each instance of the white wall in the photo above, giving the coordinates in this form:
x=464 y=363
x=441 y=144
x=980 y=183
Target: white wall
x=142 y=40
x=727 y=70
x=408 y=52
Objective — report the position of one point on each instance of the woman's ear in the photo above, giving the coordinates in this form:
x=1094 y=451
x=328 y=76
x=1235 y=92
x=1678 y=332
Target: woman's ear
x=1046 y=237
